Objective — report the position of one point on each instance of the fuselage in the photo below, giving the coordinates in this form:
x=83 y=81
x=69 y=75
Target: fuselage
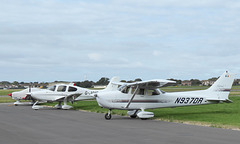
x=151 y=99
x=58 y=91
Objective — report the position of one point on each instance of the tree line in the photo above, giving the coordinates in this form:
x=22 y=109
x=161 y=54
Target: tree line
x=90 y=84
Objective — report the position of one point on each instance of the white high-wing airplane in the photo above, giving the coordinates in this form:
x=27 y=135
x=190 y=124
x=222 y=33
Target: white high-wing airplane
x=64 y=93
x=138 y=96
x=22 y=95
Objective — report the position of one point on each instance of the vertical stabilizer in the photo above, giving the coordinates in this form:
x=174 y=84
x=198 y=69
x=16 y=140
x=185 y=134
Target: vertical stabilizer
x=112 y=86
x=221 y=88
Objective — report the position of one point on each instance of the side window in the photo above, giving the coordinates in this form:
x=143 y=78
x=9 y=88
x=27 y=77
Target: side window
x=52 y=88
x=61 y=88
x=141 y=91
x=152 y=92
x=72 y=89
x=133 y=90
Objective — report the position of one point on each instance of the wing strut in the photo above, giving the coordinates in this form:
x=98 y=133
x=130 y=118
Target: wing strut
x=132 y=97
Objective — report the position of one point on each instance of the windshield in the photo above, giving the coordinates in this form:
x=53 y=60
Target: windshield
x=121 y=88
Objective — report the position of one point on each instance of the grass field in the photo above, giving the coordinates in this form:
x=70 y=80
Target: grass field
x=7 y=91
x=6 y=100
x=225 y=115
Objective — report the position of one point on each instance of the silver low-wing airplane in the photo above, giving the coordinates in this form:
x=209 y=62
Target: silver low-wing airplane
x=22 y=95
x=138 y=96
x=64 y=93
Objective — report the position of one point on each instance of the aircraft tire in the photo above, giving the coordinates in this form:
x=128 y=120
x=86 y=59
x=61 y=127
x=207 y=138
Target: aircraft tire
x=108 y=116
x=143 y=118
x=16 y=105
x=133 y=116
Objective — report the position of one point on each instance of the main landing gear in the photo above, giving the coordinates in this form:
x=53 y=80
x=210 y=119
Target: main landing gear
x=108 y=115
x=133 y=113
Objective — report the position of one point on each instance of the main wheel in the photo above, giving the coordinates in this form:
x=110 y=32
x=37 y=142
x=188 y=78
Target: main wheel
x=143 y=118
x=108 y=116
x=133 y=116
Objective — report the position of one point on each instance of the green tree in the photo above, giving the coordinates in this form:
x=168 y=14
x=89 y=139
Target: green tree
x=138 y=79
x=195 y=82
x=15 y=83
x=85 y=84
x=102 y=81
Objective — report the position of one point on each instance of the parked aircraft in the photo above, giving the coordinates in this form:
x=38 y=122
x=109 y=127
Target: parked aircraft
x=138 y=96
x=22 y=95
x=64 y=93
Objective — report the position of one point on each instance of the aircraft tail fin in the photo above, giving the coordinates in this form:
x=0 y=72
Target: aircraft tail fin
x=112 y=86
x=221 y=88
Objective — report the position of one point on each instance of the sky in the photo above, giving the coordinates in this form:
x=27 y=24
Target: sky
x=74 y=40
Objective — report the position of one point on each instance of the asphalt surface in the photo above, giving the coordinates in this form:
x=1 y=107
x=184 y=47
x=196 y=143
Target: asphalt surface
x=23 y=125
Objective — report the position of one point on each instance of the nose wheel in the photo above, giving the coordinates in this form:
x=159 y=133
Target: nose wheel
x=108 y=115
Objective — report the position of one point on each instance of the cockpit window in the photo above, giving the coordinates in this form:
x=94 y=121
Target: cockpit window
x=141 y=91
x=152 y=92
x=62 y=88
x=126 y=90
x=52 y=88
x=121 y=87
x=72 y=89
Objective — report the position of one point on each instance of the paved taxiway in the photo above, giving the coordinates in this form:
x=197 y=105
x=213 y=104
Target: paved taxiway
x=23 y=125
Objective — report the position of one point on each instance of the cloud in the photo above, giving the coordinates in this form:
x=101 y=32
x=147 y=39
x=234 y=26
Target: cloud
x=67 y=39
x=156 y=53
x=94 y=56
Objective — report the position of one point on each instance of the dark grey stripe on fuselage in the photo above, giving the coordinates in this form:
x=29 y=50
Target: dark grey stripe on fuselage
x=141 y=101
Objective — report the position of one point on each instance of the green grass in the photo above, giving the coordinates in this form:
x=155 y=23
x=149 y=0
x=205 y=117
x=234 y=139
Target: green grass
x=7 y=91
x=227 y=114
x=6 y=100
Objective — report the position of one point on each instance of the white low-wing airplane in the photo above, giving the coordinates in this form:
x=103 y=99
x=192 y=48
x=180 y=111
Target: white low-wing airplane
x=64 y=93
x=138 y=96
x=22 y=95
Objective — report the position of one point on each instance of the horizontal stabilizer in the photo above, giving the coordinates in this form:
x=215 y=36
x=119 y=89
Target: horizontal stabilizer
x=218 y=100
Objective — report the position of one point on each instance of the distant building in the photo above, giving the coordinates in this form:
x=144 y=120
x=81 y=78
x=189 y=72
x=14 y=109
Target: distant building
x=207 y=82
x=186 y=83
x=99 y=86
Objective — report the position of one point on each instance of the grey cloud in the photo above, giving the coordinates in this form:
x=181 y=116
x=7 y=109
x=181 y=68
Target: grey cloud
x=57 y=36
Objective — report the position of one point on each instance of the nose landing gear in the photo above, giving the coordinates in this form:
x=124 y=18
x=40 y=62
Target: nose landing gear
x=108 y=115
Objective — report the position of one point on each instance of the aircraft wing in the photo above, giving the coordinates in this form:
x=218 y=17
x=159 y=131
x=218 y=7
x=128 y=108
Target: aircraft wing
x=156 y=83
x=54 y=98
x=70 y=96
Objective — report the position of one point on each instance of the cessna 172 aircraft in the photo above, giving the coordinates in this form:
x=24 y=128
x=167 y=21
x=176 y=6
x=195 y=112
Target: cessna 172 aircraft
x=138 y=96
x=64 y=93
x=22 y=95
